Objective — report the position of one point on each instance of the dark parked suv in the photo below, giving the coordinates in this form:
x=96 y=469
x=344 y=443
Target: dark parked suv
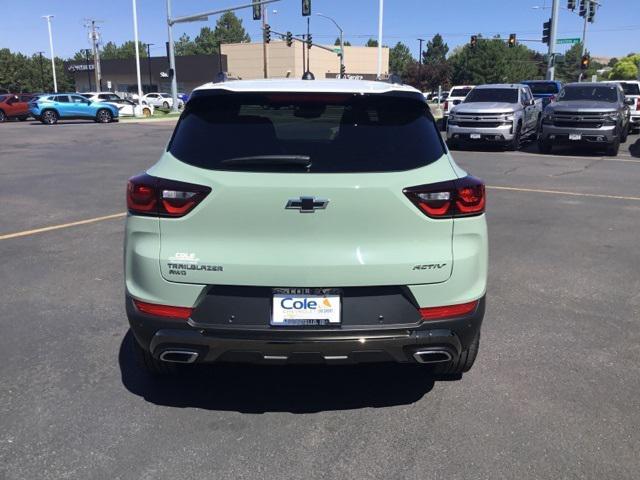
x=586 y=113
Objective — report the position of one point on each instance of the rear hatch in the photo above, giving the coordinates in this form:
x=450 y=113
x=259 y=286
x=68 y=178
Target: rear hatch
x=306 y=191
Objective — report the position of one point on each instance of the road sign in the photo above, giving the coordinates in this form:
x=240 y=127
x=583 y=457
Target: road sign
x=564 y=41
x=337 y=50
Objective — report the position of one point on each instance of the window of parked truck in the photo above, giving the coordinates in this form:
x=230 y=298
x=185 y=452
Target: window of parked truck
x=630 y=88
x=460 y=92
x=604 y=93
x=335 y=132
x=504 y=95
x=544 y=88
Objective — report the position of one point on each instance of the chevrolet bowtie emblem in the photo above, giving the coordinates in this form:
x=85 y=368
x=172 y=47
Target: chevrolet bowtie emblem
x=307 y=204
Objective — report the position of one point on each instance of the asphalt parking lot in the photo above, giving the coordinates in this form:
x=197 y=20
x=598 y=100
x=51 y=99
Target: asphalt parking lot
x=553 y=394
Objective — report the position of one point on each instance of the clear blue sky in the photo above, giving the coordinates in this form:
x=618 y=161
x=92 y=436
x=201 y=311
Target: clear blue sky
x=615 y=33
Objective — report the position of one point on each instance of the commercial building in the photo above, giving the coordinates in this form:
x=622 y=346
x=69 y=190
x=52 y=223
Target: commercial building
x=238 y=60
x=245 y=61
x=120 y=75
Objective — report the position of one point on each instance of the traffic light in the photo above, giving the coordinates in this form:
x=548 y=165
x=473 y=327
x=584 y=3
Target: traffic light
x=343 y=71
x=512 y=40
x=583 y=8
x=306 y=8
x=257 y=10
x=571 y=4
x=309 y=41
x=474 y=41
x=584 y=62
x=267 y=33
x=546 y=32
x=591 y=13
x=289 y=39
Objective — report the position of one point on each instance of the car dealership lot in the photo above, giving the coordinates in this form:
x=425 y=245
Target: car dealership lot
x=553 y=393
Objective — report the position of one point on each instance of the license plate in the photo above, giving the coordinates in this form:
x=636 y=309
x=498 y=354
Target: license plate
x=305 y=307
x=575 y=136
x=475 y=136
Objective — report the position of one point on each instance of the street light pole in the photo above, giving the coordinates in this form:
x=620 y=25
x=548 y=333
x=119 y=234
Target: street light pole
x=53 y=61
x=341 y=40
x=380 y=14
x=149 y=64
x=172 y=61
x=420 y=62
x=555 y=10
x=137 y=42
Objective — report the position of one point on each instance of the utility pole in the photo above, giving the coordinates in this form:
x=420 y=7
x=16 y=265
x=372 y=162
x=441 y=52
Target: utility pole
x=53 y=57
x=555 y=9
x=420 y=62
x=86 y=63
x=41 y=72
x=149 y=64
x=380 y=13
x=93 y=36
x=265 y=65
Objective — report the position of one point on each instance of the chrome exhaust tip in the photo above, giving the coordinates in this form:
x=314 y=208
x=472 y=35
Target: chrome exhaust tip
x=179 y=356
x=432 y=356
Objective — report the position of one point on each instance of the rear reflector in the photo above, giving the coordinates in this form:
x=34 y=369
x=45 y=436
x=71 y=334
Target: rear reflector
x=163 y=310
x=463 y=197
x=160 y=197
x=448 y=311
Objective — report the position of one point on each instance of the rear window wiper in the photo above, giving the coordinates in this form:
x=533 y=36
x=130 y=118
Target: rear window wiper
x=269 y=160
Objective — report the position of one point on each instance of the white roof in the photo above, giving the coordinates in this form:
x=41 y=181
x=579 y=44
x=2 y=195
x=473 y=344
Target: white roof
x=320 y=86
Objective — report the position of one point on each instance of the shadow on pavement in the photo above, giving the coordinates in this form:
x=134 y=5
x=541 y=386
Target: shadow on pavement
x=260 y=389
x=634 y=149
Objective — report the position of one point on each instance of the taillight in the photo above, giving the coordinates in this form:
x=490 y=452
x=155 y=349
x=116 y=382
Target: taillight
x=147 y=195
x=163 y=310
x=638 y=104
x=464 y=197
x=448 y=311
x=446 y=106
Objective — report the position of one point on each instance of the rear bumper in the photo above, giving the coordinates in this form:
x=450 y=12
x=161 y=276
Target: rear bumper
x=391 y=343
x=635 y=120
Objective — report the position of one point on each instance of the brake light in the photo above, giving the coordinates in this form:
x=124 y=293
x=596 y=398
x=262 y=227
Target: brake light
x=448 y=311
x=464 y=197
x=163 y=310
x=147 y=195
x=446 y=106
x=638 y=104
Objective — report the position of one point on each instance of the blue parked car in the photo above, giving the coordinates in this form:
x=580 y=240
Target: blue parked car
x=49 y=108
x=547 y=90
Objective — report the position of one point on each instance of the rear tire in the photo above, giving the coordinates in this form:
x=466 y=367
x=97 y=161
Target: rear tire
x=103 y=116
x=49 y=117
x=149 y=364
x=462 y=364
x=3 y=117
x=165 y=105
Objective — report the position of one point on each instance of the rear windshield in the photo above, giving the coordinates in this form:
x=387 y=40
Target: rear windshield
x=630 y=88
x=608 y=93
x=506 y=95
x=460 y=92
x=544 y=88
x=338 y=133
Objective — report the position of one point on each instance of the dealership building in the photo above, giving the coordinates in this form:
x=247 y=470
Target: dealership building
x=238 y=60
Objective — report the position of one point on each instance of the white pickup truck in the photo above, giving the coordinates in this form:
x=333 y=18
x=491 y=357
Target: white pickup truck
x=496 y=113
x=455 y=96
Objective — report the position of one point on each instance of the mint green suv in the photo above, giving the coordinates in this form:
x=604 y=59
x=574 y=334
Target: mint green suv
x=305 y=221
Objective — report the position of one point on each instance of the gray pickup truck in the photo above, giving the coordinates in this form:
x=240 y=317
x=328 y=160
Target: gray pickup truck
x=496 y=113
x=595 y=114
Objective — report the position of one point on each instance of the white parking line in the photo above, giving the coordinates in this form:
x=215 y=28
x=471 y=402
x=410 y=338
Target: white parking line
x=560 y=192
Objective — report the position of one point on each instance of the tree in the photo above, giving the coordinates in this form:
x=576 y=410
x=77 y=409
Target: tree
x=626 y=68
x=371 y=43
x=569 y=69
x=492 y=61
x=347 y=43
x=109 y=51
x=436 y=50
x=228 y=29
x=128 y=49
x=185 y=46
x=20 y=73
x=112 y=51
x=612 y=62
x=400 y=59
